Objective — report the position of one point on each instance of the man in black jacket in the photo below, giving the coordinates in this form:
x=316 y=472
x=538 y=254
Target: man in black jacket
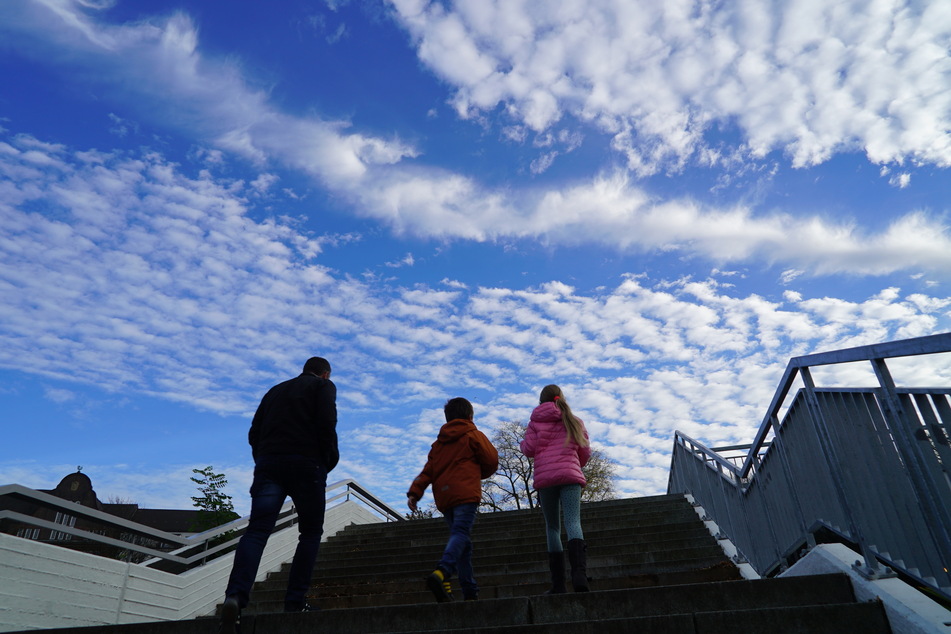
x=293 y=441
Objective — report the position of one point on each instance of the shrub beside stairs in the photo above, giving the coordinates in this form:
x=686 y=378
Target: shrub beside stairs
x=654 y=568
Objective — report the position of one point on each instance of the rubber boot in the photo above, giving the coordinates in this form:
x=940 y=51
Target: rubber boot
x=556 y=563
x=578 y=558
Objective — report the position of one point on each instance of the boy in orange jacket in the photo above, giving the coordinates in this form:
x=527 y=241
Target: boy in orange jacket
x=458 y=461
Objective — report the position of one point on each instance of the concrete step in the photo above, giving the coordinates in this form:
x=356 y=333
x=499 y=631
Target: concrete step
x=835 y=618
x=823 y=619
x=511 y=520
x=405 y=592
x=599 y=554
x=500 y=585
x=531 y=540
x=633 y=507
x=431 y=533
x=775 y=605
x=494 y=571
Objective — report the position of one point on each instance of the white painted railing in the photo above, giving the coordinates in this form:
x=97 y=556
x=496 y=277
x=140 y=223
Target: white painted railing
x=46 y=586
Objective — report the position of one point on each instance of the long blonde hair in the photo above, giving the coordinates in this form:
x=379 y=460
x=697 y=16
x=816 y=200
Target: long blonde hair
x=574 y=426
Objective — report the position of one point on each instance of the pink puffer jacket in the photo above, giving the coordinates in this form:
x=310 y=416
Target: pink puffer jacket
x=556 y=462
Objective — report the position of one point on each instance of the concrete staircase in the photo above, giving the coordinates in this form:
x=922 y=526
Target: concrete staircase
x=654 y=568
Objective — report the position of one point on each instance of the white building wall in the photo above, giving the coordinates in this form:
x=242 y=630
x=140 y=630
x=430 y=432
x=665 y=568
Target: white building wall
x=44 y=586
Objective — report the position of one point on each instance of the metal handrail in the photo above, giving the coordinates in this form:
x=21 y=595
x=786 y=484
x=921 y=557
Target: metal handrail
x=186 y=551
x=894 y=349
x=908 y=431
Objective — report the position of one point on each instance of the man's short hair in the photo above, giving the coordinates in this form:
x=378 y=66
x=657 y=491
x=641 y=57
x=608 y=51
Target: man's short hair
x=458 y=408
x=317 y=365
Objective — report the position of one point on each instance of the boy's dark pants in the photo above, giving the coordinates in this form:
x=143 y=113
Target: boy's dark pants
x=457 y=558
x=276 y=477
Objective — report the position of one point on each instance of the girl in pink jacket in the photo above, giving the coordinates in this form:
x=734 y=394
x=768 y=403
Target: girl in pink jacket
x=558 y=442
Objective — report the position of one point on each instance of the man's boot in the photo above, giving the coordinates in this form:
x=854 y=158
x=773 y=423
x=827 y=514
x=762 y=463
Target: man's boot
x=556 y=563
x=230 y=622
x=578 y=558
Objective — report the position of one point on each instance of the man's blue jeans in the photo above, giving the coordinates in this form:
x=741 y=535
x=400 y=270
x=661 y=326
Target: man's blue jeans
x=457 y=558
x=275 y=478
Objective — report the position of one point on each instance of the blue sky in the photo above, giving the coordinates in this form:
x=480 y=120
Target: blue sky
x=654 y=205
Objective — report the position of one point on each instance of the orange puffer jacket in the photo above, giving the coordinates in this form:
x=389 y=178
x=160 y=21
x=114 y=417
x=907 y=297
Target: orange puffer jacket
x=459 y=460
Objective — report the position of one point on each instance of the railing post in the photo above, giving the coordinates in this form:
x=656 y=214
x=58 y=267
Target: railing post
x=871 y=569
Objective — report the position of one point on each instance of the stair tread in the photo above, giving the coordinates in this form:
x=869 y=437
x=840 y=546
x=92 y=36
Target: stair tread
x=753 y=601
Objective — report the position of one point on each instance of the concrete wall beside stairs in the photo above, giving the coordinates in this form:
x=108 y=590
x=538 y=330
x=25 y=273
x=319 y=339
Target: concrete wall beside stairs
x=43 y=586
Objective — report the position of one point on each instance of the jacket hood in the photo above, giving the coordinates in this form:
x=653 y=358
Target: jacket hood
x=454 y=430
x=547 y=413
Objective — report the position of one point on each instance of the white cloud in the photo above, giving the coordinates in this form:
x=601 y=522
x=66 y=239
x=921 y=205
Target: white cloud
x=811 y=81
x=454 y=283
x=122 y=273
x=613 y=211
x=264 y=182
x=900 y=181
x=543 y=162
x=121 y=127
x=789 y=275
x=407 y=260
x=159 y=61
x=643 y=89
x=58 y=395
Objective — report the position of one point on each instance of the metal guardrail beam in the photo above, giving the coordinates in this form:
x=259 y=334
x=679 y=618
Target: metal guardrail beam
x=932 y=344
x=709 y=455
x=78 y=532
x=370 y=500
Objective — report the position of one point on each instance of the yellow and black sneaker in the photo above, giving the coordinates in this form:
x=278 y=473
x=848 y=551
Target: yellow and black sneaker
x=438 y=583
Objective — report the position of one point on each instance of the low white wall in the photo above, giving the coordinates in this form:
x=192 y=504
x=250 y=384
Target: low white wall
x=45 y=586
x=909 y=611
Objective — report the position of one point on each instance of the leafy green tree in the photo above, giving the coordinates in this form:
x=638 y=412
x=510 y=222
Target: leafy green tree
x=511 y=487
x=215 y=506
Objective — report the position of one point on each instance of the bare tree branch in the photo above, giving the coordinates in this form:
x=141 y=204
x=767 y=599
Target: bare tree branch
x=511 y=487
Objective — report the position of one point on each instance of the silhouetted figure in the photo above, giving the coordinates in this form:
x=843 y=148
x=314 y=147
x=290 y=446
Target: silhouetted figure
x=558 y=441
x=458 y=461
x=293 y=441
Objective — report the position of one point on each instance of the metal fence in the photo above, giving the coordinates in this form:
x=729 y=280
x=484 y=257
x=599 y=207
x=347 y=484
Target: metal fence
x=116 y=537
x=870 y=466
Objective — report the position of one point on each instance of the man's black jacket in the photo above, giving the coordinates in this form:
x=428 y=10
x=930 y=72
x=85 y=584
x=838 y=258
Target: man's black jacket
x=298 y=416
